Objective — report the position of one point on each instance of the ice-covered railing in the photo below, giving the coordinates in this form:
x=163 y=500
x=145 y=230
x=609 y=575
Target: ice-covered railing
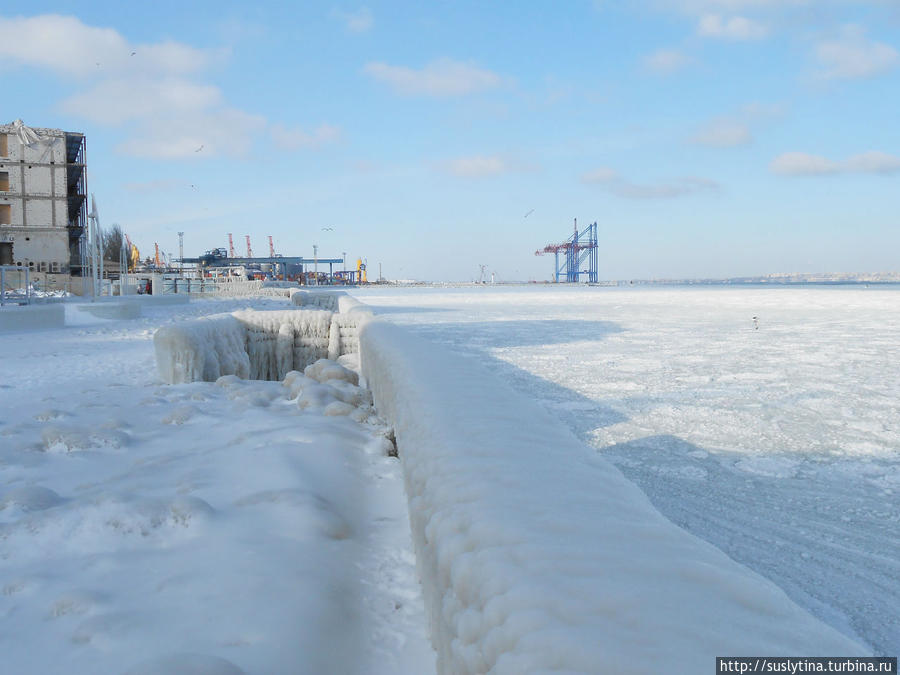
x=259 y=345
x=536 y=555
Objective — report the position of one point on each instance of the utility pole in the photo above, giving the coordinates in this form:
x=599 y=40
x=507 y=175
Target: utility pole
x=181 y=252
x=316 y=262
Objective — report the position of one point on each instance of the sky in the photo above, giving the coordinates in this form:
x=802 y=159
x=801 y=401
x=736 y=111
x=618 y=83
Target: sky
x=707 y=138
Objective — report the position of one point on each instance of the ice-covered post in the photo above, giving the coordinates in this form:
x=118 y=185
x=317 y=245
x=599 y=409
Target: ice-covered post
x=316 y=263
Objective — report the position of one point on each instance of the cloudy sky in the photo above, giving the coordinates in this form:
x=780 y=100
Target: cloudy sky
x=707 y=138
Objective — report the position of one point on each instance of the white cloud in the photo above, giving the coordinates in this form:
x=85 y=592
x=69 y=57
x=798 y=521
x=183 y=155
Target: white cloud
x=440 y=78
x=225 y=131
x=873 y=161
x=150 y=88
x=734 y=28
x=359 y=21
x=65 y=45
x=296 y=139
x=154 y=186
x=723 y=132
x=602 y=175
x=851 y=55
x=614 y=183
x=803 y=164
x=477 y=166
x=706 y=6
x=665 y=61
x=120 y=100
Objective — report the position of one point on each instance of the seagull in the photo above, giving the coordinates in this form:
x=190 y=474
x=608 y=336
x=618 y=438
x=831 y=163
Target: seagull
x=328 y=228
x=199 y=149
x=133 y=53
x=756 y=322
x=194 y=187
x=529 y=213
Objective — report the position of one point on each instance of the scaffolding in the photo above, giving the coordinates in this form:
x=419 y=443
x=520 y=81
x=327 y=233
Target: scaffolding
x=578 y=248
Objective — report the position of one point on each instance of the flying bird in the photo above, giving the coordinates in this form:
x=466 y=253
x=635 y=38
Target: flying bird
x=194 y=187
x=133 y=53
x=199 y=149
x=328 y=228
x=529 y=213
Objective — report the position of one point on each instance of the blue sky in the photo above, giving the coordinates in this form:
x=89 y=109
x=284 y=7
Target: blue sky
x=708 y=138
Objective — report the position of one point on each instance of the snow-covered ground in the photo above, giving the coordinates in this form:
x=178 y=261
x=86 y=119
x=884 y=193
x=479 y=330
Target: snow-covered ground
x=149 y=528
x=777 y=439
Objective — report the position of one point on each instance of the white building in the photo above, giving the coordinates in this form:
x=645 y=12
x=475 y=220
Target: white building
x=42 y=198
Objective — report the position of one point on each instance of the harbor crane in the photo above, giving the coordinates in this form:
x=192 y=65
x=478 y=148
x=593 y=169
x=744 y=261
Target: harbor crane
x=580 y=246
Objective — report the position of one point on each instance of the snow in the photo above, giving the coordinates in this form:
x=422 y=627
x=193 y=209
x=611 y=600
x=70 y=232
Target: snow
x=224 y=524
x=537 y=555
x=778 y=445
x=213 y=527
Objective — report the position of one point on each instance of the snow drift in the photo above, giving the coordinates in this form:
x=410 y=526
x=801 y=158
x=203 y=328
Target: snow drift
x=535 y=554
x=255 y=345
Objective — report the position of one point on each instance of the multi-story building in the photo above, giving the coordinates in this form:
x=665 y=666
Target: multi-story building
x=43 y=210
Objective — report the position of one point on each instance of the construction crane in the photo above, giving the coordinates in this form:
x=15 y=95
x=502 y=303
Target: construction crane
x=271 y=247
x=231 y=247
x=577 y=248
x=249 y=250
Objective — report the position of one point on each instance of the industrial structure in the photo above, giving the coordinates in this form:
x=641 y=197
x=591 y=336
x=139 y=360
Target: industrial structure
x=43 y=206
x=578 y=248
x=219 y=261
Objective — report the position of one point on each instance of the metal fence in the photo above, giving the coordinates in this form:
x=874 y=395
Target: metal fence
x=15 y=285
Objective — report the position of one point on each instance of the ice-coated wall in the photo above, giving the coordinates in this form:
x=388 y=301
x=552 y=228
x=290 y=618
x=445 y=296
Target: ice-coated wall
x=259 y=345
x=203 y=349
x=321 y=299
x=536 y=555
x=31 y=317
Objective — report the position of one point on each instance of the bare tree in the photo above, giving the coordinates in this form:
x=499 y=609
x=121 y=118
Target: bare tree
x=113 y=243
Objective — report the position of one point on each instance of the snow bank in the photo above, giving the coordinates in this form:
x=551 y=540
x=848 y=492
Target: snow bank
x=112 y=310
x=535 y=554
x=168 y=299
x=257 y=345
x=31 y=317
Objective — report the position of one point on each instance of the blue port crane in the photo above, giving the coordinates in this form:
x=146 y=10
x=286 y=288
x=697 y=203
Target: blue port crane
x=580 y=246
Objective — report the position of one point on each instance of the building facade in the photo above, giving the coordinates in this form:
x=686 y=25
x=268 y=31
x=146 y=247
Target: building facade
x=43 y=209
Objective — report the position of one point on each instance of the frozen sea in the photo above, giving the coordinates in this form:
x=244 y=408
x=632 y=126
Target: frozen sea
x=763 y=420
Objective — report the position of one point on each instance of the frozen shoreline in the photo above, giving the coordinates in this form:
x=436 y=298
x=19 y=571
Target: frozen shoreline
x=778 y=445
x=179 y=500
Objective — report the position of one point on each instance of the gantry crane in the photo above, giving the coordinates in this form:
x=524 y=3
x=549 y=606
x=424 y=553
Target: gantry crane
x=577 y=248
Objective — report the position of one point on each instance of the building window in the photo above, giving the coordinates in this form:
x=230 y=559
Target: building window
x=54 y=267
x=4 y=181
x=5 y=215
x=4 y=145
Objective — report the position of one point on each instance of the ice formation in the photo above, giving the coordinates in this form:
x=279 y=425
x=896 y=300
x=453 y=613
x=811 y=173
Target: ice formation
x=537 y=555
x=257 y=345
x=202 y=349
